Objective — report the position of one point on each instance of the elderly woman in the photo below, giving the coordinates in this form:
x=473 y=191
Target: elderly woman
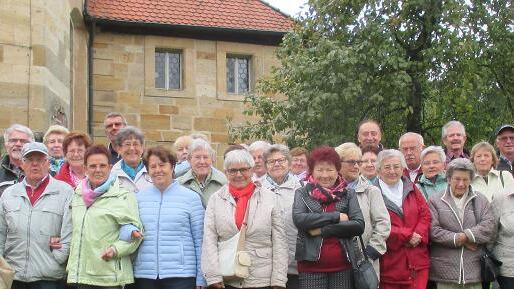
x=53 y=140
x=488 y=180
x=376 y=218
x=100 y=207
x=299 y=165
x=172 y=216
x=327 y=217
x=257 y=150
x=367 y=165
x=406 y=262
x=241 y=201
x=433 y=179
x=74 y=146
x=283 y=183
x=202 y=178
x=462 y=223
x=130 y=169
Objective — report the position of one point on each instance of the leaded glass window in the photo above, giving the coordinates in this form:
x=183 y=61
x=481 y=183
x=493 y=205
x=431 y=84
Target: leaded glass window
x=168 y=69
x=238 y=74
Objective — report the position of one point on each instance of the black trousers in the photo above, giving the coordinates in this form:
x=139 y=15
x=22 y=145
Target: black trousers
x=506 y=282
x=38 y=285
x=166 y=283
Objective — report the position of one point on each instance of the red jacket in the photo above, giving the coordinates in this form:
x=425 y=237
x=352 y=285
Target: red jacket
x=399 y=263
x=64 y=175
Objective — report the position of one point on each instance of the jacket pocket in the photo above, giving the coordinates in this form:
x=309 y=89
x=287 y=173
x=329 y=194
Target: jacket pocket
x=50 y=221
x=100 y=267
x=12 y=217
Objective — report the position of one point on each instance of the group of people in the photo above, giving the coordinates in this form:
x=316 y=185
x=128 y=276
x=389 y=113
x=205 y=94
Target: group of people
x=83 y=215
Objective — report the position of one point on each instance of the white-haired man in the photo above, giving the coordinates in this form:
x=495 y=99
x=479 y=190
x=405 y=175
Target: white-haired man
x=411 y=144
x=11 y=171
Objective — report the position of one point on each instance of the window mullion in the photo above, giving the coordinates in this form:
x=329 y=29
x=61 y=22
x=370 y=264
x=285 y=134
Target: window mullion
x=167 y=70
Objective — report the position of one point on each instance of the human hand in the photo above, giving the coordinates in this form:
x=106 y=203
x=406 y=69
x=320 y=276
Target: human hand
x=315 y=232
x=108 y=254
x=136 y=235
x=461 y=239
x=199 y=287
x=470 y=246
x=415 y=239
x=218 y=285
x=55 y=243
x=343 y=217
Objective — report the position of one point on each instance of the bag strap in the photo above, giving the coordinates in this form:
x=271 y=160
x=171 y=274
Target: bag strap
x=242 y=236
x=363 y=249
x=501 y=179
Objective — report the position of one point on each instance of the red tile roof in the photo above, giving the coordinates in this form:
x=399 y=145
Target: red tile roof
x=233 y=14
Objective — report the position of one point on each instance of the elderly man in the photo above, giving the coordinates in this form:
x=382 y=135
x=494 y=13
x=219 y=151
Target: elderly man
x=505 y=144
x=35 y=223
x=369 y=134
x=411 y=144
x=454 y=138
x=10 y=169
x=257 y=150
x=113 y=122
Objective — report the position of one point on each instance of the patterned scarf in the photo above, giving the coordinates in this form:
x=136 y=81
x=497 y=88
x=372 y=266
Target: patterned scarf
x=242 y=196
x=324 y=196
x=89 y=196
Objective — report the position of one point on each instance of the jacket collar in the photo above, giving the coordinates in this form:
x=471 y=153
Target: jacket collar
x=215 y=175
x=227 y=196
x=408 y=187
x=113 y=191
x=116 y=168
x=447 y=198
x=6 y=164
x=291 y=183
x=51 y=189
x=440 y=178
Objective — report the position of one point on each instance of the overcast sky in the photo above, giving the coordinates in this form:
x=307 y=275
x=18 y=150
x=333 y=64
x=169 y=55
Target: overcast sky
x=291 y=7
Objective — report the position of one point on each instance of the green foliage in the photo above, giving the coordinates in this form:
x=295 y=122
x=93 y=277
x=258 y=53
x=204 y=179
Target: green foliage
x=412 y=65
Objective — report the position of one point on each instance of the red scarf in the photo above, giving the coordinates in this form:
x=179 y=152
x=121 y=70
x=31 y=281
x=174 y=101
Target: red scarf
x=241 y=196
x=327 y=196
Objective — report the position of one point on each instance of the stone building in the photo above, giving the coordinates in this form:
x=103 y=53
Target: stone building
x=172 y=67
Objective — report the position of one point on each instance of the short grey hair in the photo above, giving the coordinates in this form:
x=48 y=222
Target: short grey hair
x=19 y=128
x=416 y=135
x=200 y=144
x=259 y=145
x=436 y=150
x=129 y=132
x=199 y=135
x=388 y=154
x=55 y=129
x=115 y=114
x=237 y=157
x=277 y=148
x=460 y=164
x=451 y=124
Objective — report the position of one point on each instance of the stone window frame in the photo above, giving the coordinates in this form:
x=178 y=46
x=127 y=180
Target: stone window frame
x=256 y=66
x=187 y=47
x=237 y=57
x=168 y=53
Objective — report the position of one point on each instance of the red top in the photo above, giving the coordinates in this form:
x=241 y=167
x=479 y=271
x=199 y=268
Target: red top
x=332 y=257
x=35 y=194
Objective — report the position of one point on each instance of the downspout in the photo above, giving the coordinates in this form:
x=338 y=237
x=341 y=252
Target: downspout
x=92 y=29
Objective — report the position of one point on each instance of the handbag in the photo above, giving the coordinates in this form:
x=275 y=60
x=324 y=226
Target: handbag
x=6 y=274
x=233 y=260
x=364 y=275
x=489 y=265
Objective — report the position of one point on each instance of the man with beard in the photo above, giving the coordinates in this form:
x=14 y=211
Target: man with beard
x=454 y=138
x=10 y=167
x=411 y=144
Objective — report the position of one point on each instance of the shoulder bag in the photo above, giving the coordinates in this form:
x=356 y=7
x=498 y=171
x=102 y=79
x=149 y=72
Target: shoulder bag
x=6 y=274
x=364 y=275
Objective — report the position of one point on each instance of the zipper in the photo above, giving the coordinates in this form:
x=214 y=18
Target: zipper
x=321 y=244
x=27 y=256
x=158 y=231
x=80 y=243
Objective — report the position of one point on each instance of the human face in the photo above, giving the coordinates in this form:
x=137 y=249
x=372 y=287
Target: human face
x=131 y=151
x=505 y=143
x=97 y=169
x=367 y=167
x=369 y=134
x=258 y=157
x=431 y=165
x=112 y=126
x=391 y=171
x=325 y=174
x=239 y=175
x=54 y=145
x=35 y=166
x=411 y=149
x=201 y=162
x=160 y=172
x=454 y=139
x=299 y=164
x=15 y=143
x=350 y=168
x=182 y=152
x=278 y=166
x=75 y=154
x=459 y=183
x=483 y=161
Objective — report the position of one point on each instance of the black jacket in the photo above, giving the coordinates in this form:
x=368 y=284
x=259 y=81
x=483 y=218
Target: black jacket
x=504 y=164
x=308 y=214
x=8 y=176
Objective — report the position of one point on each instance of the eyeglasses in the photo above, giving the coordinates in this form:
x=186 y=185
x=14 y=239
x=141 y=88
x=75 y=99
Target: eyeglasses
x=506 y=138
x=279 y=161
x=352 y=162
x=131 y=144
x=234 y=172
x=427 y=163
x=18 y=140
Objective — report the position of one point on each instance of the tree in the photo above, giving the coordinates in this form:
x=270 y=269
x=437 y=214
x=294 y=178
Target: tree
x=412 y=65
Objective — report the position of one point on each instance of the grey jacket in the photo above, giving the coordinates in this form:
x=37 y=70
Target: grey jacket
x=135 y=185
x=284 y=196
x=308 y=214
x=212 y=184
x=449 y=263
x=376 y=219
x=503 y=208
x=25 y=231
x=266 y=239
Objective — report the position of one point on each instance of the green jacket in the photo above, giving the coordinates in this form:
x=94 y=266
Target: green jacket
x=215 y=180
x=429 y=188
x=94 y=230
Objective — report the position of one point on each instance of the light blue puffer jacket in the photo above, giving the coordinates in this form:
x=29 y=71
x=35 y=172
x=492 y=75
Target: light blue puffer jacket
x=173 y=232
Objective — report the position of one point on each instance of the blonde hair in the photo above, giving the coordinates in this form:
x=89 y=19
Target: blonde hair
x=348 y=149
x=488 y=147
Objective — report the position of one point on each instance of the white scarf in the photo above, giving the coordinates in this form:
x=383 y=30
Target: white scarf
x=393 y=193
